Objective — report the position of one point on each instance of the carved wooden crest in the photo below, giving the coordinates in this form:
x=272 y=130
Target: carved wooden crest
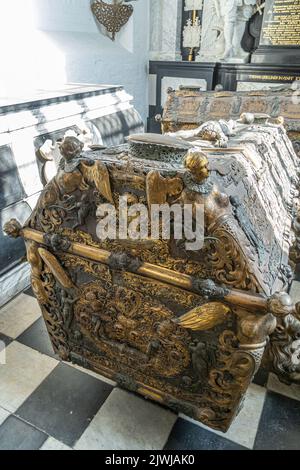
x=112 y=16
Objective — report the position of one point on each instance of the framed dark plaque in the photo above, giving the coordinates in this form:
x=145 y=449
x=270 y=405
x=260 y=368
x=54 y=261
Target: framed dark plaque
x=280 y=36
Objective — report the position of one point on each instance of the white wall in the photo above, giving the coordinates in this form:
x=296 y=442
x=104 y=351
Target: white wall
x=44 y=43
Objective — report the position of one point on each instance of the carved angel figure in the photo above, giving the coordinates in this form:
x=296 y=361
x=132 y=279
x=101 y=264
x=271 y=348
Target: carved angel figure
x=212 y=131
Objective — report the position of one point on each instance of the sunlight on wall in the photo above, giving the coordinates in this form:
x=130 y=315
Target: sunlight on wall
x=29 y=59
x=47 y=43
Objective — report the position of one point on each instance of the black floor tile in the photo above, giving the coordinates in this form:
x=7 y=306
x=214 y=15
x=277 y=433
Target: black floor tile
x=279 y=428
x=29 y=291
x=37 y=337
x=65 y=403
x=17 y=435
x=4 y=341
x=189 y=436
x=261 y=377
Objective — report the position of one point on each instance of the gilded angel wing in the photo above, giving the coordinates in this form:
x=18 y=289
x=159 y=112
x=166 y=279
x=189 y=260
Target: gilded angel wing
x=55 y=267
x=204 y=317
x=98 y=175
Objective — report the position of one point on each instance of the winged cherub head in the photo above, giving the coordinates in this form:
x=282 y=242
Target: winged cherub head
x=197 y=163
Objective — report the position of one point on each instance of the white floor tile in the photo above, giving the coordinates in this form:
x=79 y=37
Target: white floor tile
x=3 y=415
x=291 y=391
x=53 y=444
x=25 y=369
x=18 y=315
x=244 y=429
x=127 y=422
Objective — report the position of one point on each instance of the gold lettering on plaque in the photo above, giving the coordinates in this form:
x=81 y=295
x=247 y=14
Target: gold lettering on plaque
x=282 y=23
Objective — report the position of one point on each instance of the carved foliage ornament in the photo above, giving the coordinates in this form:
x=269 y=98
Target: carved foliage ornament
x=113 y=16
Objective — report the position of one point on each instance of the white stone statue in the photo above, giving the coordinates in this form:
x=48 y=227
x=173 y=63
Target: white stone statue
x=226 y=21
x=191 y=5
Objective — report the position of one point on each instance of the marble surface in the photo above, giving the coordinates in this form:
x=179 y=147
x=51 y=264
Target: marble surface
x=52 y=444
x=208 y=51
x=25 y=369
x=39 y=97
x=4 y=414
x=18 y=315
x=165 y=34
x=12 y=283
x=125 y=414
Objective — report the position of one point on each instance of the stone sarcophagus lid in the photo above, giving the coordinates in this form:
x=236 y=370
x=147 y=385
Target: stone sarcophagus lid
x=187 y=108
x=185 y=326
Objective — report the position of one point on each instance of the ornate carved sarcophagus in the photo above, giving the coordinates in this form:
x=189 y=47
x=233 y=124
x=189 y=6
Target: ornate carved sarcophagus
x=187 y=108
x=184 y=327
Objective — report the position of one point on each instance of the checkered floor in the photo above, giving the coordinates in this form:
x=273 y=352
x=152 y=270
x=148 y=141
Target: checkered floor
x=50 y=405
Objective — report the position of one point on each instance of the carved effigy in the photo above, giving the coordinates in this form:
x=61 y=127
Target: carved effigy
x=189 y=108
x=188 y=329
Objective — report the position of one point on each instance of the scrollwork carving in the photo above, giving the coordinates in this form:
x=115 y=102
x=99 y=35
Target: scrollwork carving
x=283 y=351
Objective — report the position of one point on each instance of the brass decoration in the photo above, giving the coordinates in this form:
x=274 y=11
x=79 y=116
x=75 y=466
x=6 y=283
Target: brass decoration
x=121 y=323
x=71 y=149
x=112 y=16
x=253 y=331
x=159 y=188
x=188 y=330
x=12 y=228
x=197 y=163
x=56 y=269
x=98 y=175
x=229 y=261
x=35 y=261
x=204 y=317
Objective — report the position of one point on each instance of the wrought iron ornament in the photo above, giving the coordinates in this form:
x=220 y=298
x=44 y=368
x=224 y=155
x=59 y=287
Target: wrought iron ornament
x=112 y=16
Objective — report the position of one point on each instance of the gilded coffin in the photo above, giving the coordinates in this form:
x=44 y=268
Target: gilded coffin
x=188 y=329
